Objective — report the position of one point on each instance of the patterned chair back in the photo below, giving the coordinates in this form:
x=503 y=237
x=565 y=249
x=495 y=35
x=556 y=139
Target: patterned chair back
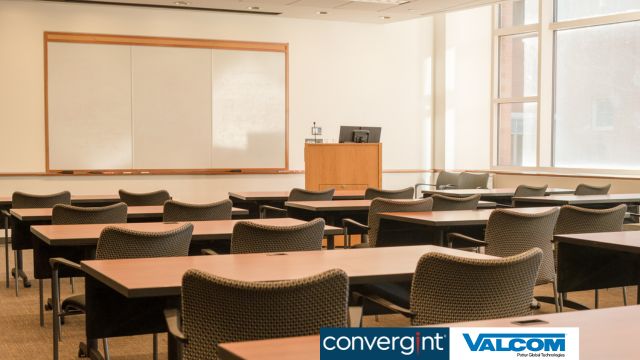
x=448 y=289
x=251 y=237
x=179 y=211
x=217 y=310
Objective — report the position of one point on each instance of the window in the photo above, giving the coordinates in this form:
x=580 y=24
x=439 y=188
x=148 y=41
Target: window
x=580 y=9
x=597 y=108
x=518 y=12
x=518 y=65
x=516 y=103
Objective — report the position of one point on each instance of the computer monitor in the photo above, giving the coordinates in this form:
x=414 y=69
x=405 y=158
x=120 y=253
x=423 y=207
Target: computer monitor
x=359 y=134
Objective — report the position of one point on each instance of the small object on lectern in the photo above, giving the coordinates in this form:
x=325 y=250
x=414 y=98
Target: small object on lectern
x=315 y=131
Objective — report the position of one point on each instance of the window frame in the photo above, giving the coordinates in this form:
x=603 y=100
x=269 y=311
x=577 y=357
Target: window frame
x=496 y=100
x=546 y=28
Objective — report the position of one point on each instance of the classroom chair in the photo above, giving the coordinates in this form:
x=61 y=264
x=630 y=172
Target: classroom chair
x=509 y=232
x=217 y=310
x=372 y=193
x=179 y=211
x=585 y=189
x=529 y=191
x=445 y=180
x=449 y=289
x=117 y=243
x=251 y=237
x=578 y=220
x=21 y=200
x=144 y=199
x=70 y=215
x=468 y=180
x=380 y=205
x=296 y=194
x=449 y=203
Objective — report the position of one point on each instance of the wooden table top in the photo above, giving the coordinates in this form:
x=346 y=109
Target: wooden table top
x=453 y=218
x=330 y=205
x=75 y=199
x=81 y=235
x=581 y=199
x=604 y=334
x=133 y=212
x=163 y=276
x=292 y=348
x=284 y=195
x=352 y=205
x=496 y=192
x=626 y=241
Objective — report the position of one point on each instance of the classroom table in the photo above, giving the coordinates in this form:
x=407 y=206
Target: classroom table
x=592 y=201
x=598 y=261
x=151 y=213
x=499 y=195
x=604 y=334
x=252 y=200
x=23 y=219
x=79 y=200
x=333 y=211
x=127 y=297
x=65 y=240
x=413 y=224
x=78 y=242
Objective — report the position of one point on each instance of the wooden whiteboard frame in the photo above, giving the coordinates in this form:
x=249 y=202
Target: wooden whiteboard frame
x=63 y=37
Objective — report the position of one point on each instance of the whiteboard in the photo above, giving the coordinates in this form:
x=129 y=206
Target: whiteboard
x=172 y=108
x=89 y=113
x=142 y=107
x=248 y=108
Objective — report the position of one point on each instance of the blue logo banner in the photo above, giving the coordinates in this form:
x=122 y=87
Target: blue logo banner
x=384 y=343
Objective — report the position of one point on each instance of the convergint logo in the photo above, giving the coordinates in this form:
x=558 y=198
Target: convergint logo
x=385 y=343
x=449 y=343
x=515 y=343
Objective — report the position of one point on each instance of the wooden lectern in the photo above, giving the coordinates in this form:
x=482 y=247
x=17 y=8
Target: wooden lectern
x=346 y=166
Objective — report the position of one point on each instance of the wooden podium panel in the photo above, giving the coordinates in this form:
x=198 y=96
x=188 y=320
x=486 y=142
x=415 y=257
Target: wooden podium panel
x=345 y=166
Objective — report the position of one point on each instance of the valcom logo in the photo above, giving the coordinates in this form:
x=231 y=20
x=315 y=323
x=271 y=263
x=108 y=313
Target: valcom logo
x=384 y=343
x=517 y=342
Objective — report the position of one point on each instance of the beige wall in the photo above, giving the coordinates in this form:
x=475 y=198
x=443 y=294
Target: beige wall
x=340 y=73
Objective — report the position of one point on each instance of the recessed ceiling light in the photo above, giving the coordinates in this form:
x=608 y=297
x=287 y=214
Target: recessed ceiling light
x=254 y=8
x=321 y=12
x=385 y=17
x=181 y=3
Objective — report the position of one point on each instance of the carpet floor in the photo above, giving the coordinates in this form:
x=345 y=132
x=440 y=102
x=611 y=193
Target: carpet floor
x=21 y=336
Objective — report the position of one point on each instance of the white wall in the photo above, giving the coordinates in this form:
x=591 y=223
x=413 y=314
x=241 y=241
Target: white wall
x=340 y=73
x=468 y=88
x=463 y=89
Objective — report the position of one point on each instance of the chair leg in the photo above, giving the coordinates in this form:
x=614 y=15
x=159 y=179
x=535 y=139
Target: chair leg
x=597 y=300
x=155 y=346
x=624 y=296
x=105 y=343
x=6 y=250
x=41 y=295
x=555 y=295
x=55 y=295
x=355 y=316
x=561 y=301
x=72 y=285
x=16 y=274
